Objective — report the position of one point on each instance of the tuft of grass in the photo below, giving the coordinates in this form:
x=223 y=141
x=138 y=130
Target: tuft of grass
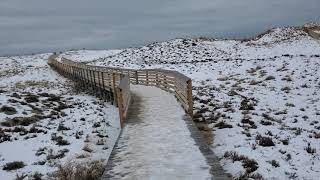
x=223 y=78
x=247 y=176
x=92 y=170
x=249 y=164
x=59 y=140
x=254 y=82
x=61 y=127
x=290 y=105
x=13 y=165
x=26 y=84
x=21 y=177
x=23 y=121
x=266 y=122
x=268 y=78
x=37 y=176
x=310 y=150
x=30 y=98
x=286 y=89
x=275 y=163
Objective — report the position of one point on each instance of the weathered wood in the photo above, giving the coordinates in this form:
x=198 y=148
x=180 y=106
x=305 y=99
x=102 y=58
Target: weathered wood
x=190 y=98
x=113 y=84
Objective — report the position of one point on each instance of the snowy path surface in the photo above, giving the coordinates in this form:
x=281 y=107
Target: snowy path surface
x=156 y=142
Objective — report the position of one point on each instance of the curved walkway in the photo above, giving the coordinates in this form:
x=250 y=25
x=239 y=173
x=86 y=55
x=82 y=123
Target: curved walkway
x=156 y=142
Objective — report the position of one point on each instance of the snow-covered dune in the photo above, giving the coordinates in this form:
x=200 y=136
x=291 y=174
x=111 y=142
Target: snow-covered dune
x=260 y=97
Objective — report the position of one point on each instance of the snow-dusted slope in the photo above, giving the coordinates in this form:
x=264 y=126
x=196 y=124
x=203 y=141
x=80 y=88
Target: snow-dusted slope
x=43 y=123
x=260 y=97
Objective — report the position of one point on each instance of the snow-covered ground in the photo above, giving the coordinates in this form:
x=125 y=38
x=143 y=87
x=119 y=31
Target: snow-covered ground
x=44 y=122
x=259 y=96
x=88 y=55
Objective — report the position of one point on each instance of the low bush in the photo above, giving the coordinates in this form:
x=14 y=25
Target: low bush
x=79 y=171
x=8 y=110
x=13 y=165
x=264 y=141
x=222 y=125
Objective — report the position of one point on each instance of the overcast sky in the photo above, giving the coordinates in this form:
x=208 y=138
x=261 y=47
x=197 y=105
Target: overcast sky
x=32 y=26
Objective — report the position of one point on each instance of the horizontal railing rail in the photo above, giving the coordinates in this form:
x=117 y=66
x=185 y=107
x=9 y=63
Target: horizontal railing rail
x=113 y=84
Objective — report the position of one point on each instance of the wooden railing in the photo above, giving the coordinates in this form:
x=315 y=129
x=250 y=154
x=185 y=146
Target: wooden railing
x=113 y=84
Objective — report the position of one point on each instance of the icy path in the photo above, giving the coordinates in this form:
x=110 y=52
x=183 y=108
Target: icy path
x=156 y=142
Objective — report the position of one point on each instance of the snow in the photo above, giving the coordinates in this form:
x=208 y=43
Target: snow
x=277 y=72
x=156 y=142
x=88 y=55
x=88 y=119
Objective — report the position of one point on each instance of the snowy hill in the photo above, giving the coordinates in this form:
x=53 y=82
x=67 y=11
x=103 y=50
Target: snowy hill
x=259 y=97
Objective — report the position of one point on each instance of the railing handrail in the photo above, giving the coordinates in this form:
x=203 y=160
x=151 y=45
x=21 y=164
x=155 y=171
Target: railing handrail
x=117 y=81
x=182 y=76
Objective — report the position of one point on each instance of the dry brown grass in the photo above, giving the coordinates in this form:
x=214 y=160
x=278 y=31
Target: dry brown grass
x=79 y=171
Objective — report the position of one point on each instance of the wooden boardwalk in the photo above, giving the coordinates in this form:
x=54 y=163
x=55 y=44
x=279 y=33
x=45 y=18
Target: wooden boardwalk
x=159 y=142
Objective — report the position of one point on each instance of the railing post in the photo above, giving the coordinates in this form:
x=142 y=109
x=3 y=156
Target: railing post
x=99 y=84
x=91 y=81
x=115 y=94
x=103 y=87
x=147 y=77
x=157 y=79
x=120 y=106
x=87 y=78
x=164 y=80
x=190 y=98
x=137 y=79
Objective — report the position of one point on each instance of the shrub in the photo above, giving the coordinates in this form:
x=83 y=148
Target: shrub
x=79 y=171
x=30 y=98
x=96 y=125
x=264 y=141
x=24 y=121
x=4 y=136
x=8 y=110
x=286 y=89
x=266 y=123
x=60 y=154
x=87 y=149
x=249 y=164
x=21 y=177
x=247 y=176
x=253 y=82
x=275 y=163
x=222 y=125
x=61 y=127
x=37 y=176
x=246 y=105
x=13 y=165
